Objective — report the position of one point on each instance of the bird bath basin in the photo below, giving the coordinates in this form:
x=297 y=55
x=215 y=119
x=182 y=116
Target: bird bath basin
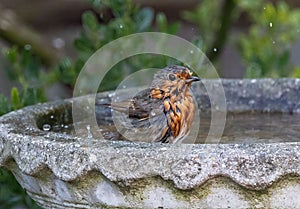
x=256 y=164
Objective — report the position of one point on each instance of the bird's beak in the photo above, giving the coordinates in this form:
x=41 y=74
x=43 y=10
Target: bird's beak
x=192 y=79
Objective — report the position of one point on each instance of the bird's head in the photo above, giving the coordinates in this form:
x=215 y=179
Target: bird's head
x=172 y=80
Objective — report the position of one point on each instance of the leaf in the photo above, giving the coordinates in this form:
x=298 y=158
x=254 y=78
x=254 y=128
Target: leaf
x=173 y=28
x=163 y=25
x=253 y=71
x=12 y=63
x=89 y=20
x=84 y=45
x=96 y=3
x=32 y=96
x=144 y=19
x=78 y=66
x=161 y=21
x=12 y=54
x=31 y=65
x=284 y=59
x=15 y=99
x=66 y=71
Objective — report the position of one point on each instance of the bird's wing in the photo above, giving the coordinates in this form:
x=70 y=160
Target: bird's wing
x=140 y=114
x=141 y=106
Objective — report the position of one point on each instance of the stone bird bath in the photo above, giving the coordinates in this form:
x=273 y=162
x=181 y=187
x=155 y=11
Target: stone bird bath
x=61 y=170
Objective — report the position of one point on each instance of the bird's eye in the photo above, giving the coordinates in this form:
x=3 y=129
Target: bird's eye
x=172 y=77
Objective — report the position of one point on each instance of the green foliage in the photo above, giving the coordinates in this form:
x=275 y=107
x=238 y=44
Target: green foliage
x=11 y=194
x=214 y=19
x=164 y=26
x=296 y=72
x=128 y=18
x=4 y=105
x=266 y=48
x=25 y=68
x=68 y=72
x=205 y=18
x=15 y=99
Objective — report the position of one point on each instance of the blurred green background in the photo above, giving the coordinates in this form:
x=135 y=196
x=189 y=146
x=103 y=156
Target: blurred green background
x=44 y=45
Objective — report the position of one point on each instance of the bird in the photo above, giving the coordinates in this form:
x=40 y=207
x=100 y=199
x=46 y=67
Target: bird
x=164 y=112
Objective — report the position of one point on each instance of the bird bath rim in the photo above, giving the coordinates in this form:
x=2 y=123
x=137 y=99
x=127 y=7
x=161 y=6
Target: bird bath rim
x=254 y=166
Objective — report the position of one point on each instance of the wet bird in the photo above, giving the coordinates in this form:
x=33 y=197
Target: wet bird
x=162 y=113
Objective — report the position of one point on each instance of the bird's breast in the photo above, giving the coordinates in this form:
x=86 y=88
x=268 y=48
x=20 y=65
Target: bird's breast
x=179 y=113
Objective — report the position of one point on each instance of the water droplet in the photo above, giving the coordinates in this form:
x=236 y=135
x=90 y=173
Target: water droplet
x=124 y=86
x=251 y=102
x=121 y=26
x=46 y=127
x=4 y=24
x=273 y=42
x=27 y=47
x=110 y=95
x=89 y=134
x=116 y=99
x=192 y=52
x=264 y=8
x=215 y=49
x=253 y=81
x=56 y=127
x=278 y=95
x=58 y=43
x=271 y=24
x=51 y=116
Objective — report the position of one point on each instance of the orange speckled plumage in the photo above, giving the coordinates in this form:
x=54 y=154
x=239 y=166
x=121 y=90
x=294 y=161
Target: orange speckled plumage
x=170 y=98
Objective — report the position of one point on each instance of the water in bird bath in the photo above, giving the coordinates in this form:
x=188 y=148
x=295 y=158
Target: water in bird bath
x=255 y=127
x=249 y=127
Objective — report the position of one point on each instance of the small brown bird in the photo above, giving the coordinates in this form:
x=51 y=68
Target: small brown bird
x=162 y=113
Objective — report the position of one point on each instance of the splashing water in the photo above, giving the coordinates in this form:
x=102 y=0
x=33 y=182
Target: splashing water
x=46 y=127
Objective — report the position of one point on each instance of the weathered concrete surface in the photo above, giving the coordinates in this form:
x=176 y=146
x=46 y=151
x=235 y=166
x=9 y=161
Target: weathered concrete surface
x=64 y=171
